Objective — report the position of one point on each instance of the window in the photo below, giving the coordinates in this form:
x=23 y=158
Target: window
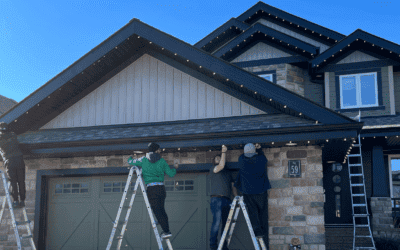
x=267 y=77
x=72 y=188
x=359 y=90
x=117 y=187
x=181 y=185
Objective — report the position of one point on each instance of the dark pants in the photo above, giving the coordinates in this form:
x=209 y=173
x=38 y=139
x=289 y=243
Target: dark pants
x=15 y=168
x=220 y=207
x=257 y=206
x=156 y=195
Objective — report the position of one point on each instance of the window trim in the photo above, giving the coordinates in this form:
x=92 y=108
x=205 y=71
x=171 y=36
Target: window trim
x=390 y=158
x=358 y=97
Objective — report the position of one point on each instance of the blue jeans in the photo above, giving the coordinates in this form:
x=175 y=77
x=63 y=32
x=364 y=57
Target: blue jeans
x=220 y=207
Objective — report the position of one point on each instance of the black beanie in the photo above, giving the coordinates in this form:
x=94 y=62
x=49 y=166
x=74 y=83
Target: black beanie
x=153 y=147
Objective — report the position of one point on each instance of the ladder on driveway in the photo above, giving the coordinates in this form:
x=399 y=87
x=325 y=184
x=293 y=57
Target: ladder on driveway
x=15 y=223
x=125 y=222
x=240 y=204
x=358 y=197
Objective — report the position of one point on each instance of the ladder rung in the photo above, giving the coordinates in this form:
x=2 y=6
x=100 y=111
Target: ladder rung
x=363 y=236
x=22 y=222
x=356 y=175
x=354 y=155
x=357 y=185
x=359 y=205
x=356 y=145
x=27 y=237
x=365 y=248
x=361 y=215
x=363 y=225
x=358 y=194
x=355 y=165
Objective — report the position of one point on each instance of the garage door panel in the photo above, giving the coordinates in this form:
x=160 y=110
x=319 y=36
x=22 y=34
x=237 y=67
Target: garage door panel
x=187 y=238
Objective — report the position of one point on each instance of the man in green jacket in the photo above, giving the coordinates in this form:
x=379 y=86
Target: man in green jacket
x=13 y=162
x=153 y=169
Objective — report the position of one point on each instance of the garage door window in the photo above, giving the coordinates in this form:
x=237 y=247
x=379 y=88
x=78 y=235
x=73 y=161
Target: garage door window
x=72 y=188
x=179 y=186
x=116 y=187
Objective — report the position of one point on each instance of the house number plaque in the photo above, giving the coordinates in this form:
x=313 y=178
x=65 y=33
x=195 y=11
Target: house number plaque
x=294 y=168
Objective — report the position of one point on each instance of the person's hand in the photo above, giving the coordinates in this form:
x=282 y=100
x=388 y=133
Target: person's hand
x=258 y=146
x=176 y=165
x=224 y=149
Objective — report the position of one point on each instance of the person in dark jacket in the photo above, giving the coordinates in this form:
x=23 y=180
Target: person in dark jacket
x=221 y=182
x=253 y=182
x=153 y=169
x=14 y=164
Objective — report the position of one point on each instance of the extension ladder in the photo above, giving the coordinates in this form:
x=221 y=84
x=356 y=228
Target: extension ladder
x=15 y=224
x=240 y=204
x=356 y=171
x=125 y=222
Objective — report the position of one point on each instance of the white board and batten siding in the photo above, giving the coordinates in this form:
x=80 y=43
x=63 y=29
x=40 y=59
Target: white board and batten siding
x=260 y=51
x=150 y=90
x=357 y=56
x=305 y=39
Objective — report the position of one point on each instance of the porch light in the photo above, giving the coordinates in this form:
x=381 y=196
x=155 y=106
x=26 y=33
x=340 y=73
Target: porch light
x=283 y=20
x=276 y=17
x=15 y=121
x=295 y=47
x=273 y=37
x=365 y=41
x=176 y=54
x=138 y=37
x=374 y=137
x=231 y=50
x=273 y=142
x=213 y=73
x=26 y=112
x=320 y=34
x=269 y=14
x=390 y=51
x=163 y=149
x=397 y=136
x=317 y=65
x=363 y=138
x=333 y=55
x=308 y=141
x=187 y=60
x=241 y=86
x=48 y=97
x=255 y=92
x=324 y=60
x=236 y=27
x=179 y=148
x=316 y=122
x=200 y=67
x=335 y=41
x=290 y=22
x=385 y=136
x=270 y=100
x=227 y=79
x=265 y=34
x=305 y=28
x=38 y=105
x=287 y=44
x=150 y=42
x=298 y=26
x=327 y=140
x=280 y=41
x=237 y=45
x=284 y=106
x=258 y=31
x=299 y=113
x=373 y=44
x=244 y=40
x=116 y=47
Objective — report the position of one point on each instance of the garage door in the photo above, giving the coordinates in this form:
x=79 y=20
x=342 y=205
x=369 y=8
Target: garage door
x=81 y=211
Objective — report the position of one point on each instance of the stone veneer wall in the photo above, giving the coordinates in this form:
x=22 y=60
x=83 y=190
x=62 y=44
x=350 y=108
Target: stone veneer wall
x=287 y=76
x=296 y=205
x=382 y=220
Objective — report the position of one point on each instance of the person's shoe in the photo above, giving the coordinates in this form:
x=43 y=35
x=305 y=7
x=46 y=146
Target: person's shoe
x=22 y=203
x=259 y=236
x=165 y=235
x=15 y=204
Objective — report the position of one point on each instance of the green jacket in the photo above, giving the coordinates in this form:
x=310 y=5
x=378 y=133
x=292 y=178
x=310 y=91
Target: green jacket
x=153 y=167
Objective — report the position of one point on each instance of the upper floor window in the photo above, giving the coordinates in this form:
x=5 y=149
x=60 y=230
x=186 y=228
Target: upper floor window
x=267 y=77
x=359 y=90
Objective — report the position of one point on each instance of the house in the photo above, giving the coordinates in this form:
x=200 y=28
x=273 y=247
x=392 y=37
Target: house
x=266 y=77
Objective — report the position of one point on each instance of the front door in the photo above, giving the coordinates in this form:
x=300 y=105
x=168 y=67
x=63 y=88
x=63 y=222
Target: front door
x=337 y=194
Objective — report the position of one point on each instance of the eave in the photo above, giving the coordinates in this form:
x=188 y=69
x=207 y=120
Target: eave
x=358 y=40
x=264 y=10
x=259 y=32
x=221 y=35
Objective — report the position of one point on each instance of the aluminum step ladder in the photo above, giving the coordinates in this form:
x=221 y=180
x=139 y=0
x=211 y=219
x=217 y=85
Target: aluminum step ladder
x=15 y=223
x=125 y=222
x=240 y=204
x=356 y=172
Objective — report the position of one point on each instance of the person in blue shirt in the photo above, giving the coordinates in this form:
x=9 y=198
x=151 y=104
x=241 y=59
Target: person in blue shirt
x=252 y=181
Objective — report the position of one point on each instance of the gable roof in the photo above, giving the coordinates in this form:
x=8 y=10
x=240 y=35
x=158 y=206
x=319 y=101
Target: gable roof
x=261 y=9
x=129 y=43
x=259 y=32
x=358 y=40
